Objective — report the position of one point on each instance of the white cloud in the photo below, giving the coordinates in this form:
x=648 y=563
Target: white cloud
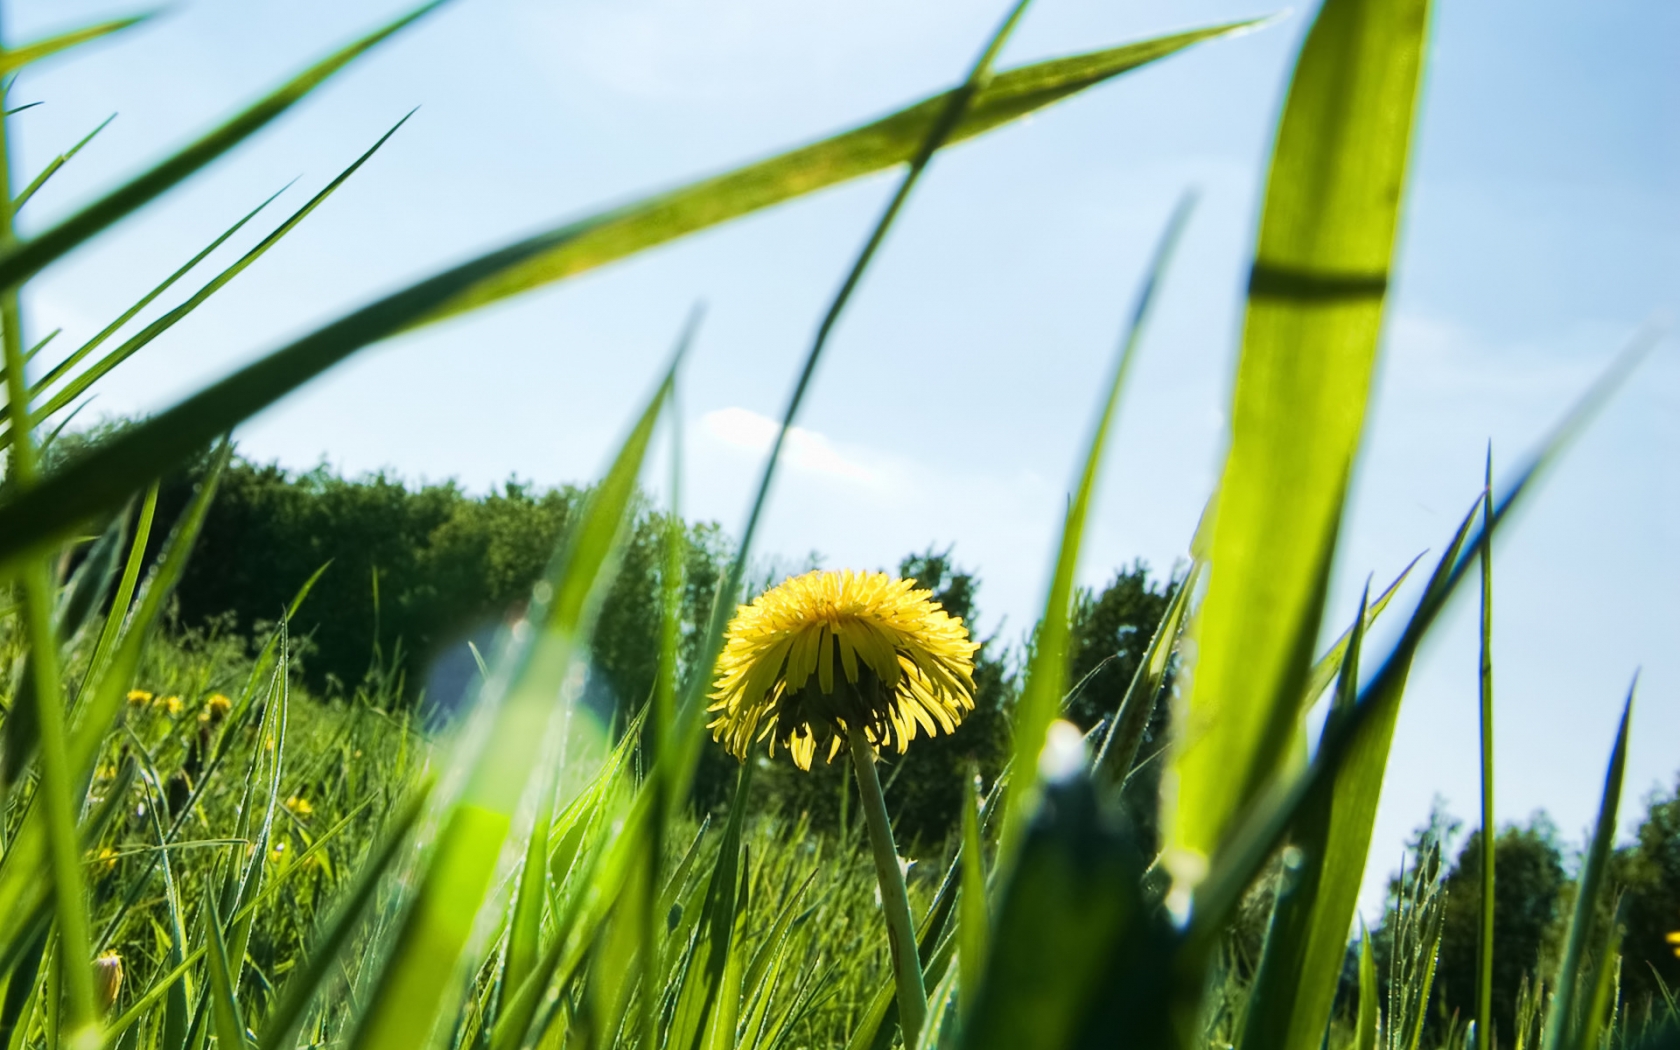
x=805 y=450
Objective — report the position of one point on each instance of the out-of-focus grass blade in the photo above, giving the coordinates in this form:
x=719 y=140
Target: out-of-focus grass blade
x=883 y=143
x=322 y=960
x=57 y=162
x=1261 y=830
x=1484 y=942
x=1315 y=308
x=1569 y=1022
x=1048 y=670
x=63 y=367
x=1072 y=930
x=125 y=589
x=973 y=922
x=18 y=57
x=1365 y=1023
x=21 y=261
x=129 y=347
x=108 y=474
x=698 y=997
x=1120 y=744
x=1295 y=987
x=404 y=1000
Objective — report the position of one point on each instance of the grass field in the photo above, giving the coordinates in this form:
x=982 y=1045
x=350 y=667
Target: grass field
x=195 y=851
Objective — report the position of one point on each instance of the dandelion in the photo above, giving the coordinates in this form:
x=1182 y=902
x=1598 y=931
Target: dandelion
x=139 y=698
x=170 y=704
x=299 y=806
x=1674 y=939
x=105 y=859
x=215 y=709
x=107 y=979
x=858 y=660
x=903 y=663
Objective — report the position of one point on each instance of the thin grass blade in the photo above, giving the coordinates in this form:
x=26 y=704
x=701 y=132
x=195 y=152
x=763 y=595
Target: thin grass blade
x=25 y=259
x=1048 y=669
x=1484 y=942
x=17 y=57
x=1568 y=1021
x=58 y=162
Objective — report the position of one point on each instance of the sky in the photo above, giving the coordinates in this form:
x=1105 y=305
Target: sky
x=1541 y=231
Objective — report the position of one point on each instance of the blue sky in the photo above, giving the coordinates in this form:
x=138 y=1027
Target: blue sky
x=1541 y=231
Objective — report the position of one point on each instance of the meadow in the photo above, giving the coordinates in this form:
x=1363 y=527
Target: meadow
x=200 y=844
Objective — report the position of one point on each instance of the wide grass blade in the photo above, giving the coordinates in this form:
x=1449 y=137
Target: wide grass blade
x=13 y=58
x=1048 y=669
x=1570 y=1023
x=1315 y=307
x=108 y=474
x=24 y=259
x=427 y=950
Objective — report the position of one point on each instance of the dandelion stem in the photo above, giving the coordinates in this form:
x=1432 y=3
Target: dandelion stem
x=895 y=900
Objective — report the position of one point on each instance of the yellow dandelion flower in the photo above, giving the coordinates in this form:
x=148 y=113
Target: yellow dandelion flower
x=107 y=979
x=139 y=697
x=299 y=806
x=216 y=708
x=1674 y=939
x=106 y=858
x=170 y=704
x=830 y=650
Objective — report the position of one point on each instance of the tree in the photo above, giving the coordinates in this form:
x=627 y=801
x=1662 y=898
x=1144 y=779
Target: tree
x=1648 y=877
x=1528 y=890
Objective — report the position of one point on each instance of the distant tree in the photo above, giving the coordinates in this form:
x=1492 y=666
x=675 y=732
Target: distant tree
x=1647 y=874
x=1529 y=884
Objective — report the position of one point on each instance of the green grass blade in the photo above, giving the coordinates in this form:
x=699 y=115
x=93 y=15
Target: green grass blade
x=125 y=589
x=57 y=162
x=525 y=925
x=434 y=933
x=1329 y=666
x=1294 y=989
x=1258 y=837
x=108 y=474
x=1365 y=1024
x=973 y=922
x=1261 y=831
x=1048 y=669
x=224 y=1004
x=24 y=259
x=1315 y=307
x=61 y=369
x=17 y=57
x=1484 y=942
x=1568 y=1022
x=301 y=989
x=1118 y=752
x=129 y=347
x=884 y=143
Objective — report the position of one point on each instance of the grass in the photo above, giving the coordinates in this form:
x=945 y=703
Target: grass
x=273 y=872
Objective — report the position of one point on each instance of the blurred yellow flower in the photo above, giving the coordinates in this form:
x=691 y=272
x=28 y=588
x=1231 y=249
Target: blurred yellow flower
x=107 y=979
x=299 y=806
x=903 y=662
x=170 y=704
x=1674 y=939
x=216 y=708
x=105 y=859
x=139 y=697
